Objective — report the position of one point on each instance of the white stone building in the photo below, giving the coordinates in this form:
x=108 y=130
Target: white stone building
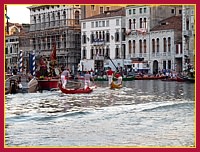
x=12 y=51
x=151 y=38
x=16 y=40
x=188 y=19
x=103 y=35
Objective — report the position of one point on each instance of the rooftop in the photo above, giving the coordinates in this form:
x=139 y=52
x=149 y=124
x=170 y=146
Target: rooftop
x=174 y=22
x=110 y=13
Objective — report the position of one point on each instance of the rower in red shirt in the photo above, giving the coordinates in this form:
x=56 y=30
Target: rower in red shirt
x=119 y=78
x=110 y=75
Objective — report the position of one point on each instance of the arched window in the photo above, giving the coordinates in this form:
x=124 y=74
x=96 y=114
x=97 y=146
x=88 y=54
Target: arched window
x=92 y=37
x=153 y=45
x=77 y=17
x=140 y=43
x=140 y=22
x=169 y=44
x=129 y=46
x=58 y=15
x=117 y=55
x=117 y=36
x=91 y=53
x=53 y=19
x=34 y=19
x=103 y=35
x=164 y=45
x=129 y=23
x=145 y=23
x=49 y=20
x=145 y=46
x=107 y=37
x=97 y=51
x=187 y=24
x=11 y=50
x=134 y=46
x=39 y=19
x=157 y=43
x=100 y=36
x=84 y=38
x=39 y=22
x=58 y=21
x=134 y=24
x=64 y=18
x=107 y=51
x=43 y=21
x=84 y=53
x=97 y=35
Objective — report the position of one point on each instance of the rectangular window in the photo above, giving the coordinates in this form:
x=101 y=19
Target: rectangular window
x=140 y=10
x=92 y=7
x=100 y=24
x=164 y=64
x=145 y=10
x=177 y=51
x=96 y=24
x=134 y=46
x=133 y=11
x=169 y=64
x=92 y=24
x=129 y=12
x=101 y=10
x=107 y=23
x=172 y=11
x=103 y=23
x=117 y=22
x=84 y=25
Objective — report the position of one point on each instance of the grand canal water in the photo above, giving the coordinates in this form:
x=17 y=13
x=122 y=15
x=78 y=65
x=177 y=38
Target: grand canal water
x=142 y=113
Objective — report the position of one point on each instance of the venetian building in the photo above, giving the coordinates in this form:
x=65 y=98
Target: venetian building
x=59 y=24
x=188 y=35
x=102 y=35
x=92 y=10
x=145 y=40
x=12 y=44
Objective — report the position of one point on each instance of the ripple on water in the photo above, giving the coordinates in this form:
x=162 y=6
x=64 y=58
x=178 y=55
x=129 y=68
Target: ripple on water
x=133 y=116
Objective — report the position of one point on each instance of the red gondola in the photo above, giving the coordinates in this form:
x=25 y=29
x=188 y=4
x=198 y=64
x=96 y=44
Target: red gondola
x=75 y=91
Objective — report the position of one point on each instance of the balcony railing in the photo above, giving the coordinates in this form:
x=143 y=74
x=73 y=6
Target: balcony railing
x=187 y=33
x=98 y=42
x=97 y=57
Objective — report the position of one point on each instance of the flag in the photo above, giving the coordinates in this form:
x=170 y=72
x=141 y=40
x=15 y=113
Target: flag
x=53 y=52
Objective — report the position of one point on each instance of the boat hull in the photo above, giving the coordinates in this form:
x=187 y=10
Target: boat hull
x=148 y=78
x=187 y=79
x=75 y=91
x=123 y=79
x=115 y=86
x=48 y=84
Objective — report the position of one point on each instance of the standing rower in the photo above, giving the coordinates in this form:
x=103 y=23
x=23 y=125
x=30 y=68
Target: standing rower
x=64 y=77
x=110 y=75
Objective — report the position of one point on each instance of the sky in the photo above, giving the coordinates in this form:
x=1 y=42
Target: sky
x=18 y=13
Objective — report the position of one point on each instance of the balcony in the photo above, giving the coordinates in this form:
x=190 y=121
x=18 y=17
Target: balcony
x=187 y=33
x=14 y=55
x=97 y=57
x=98 y=42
